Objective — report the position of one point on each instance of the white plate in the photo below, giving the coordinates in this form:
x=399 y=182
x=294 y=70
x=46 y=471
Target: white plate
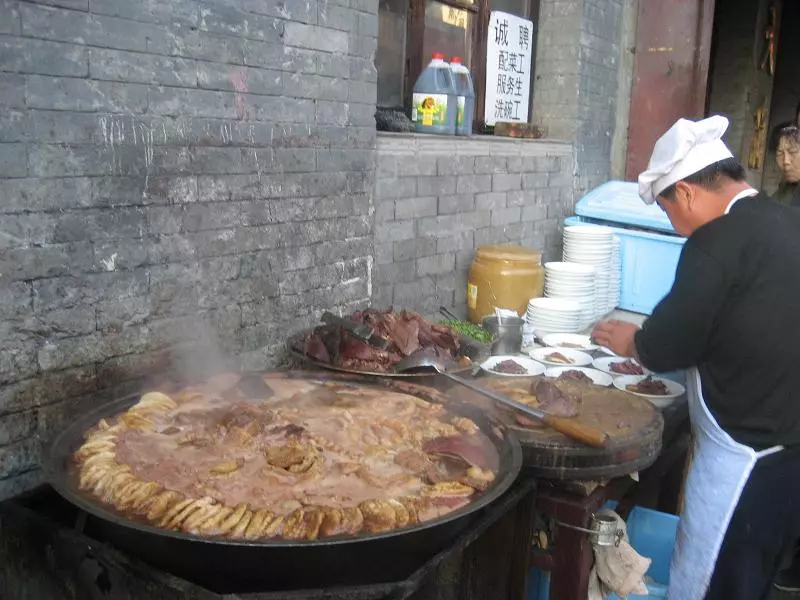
x=533 y=367
x=675 y=389
x=604 y=365
x=582 y=342
x=581 y=358
x=597 y=377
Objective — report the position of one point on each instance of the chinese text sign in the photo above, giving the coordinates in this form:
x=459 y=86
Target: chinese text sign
x=508 y=69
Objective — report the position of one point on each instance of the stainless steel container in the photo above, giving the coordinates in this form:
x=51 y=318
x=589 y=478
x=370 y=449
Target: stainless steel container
x=507 y=332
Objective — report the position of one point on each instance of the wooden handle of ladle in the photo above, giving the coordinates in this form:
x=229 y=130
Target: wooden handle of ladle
x=577 y=431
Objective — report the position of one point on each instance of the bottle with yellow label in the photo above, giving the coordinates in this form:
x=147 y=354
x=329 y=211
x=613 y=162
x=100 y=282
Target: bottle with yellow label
x=434 y=107
x=503 y=276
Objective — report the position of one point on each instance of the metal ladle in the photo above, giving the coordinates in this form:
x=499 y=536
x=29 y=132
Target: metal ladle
x=569 y=427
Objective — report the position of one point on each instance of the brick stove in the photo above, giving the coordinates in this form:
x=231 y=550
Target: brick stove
x=46 y=554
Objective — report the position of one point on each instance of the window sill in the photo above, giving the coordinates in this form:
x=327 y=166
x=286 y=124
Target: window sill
x=475 y=145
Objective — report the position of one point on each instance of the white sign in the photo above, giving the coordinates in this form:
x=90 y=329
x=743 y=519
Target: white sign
x=508 y=69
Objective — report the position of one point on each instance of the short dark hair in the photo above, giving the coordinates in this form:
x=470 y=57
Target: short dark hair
x=712 y=177
x=781 y=130
x=791 y=133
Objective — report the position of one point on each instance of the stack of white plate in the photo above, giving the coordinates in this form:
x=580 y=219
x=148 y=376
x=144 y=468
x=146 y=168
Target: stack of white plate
x=614 y=276
x=572 y=281
x=592 y=245
x=554 y=315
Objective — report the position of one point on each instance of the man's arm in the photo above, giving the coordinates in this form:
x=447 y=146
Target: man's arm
x=676 y=336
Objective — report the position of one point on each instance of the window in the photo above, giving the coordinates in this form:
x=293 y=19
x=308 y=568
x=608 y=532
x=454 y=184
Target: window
x=410 y=31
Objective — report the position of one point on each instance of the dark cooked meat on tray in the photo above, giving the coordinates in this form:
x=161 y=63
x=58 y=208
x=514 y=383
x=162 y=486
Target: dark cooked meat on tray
x=406 y=331
x=626 y=367
x=308 y=460
x=649 y=386
x=574 y=375
x=509 y=367
x=557 y=357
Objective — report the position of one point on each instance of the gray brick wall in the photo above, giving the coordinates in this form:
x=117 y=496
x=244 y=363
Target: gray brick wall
x=577 y=77
x=184 y=174
x=438 y=199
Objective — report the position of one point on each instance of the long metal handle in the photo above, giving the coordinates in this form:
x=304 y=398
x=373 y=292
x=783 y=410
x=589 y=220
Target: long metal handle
x=569 y=427
x=445 y=312
x=357 y=329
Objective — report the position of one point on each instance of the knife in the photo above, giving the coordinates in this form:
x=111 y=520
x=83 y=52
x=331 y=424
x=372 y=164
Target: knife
x=359 y=330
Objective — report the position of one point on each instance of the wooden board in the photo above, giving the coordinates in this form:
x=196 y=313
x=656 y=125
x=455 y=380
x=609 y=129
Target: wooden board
x=622 y=416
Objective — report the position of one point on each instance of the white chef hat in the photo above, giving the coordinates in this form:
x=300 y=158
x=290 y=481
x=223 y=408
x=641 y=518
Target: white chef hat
x=688 y=147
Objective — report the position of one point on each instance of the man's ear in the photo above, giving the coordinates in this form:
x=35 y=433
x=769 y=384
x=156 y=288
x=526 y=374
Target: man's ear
x=684 y=193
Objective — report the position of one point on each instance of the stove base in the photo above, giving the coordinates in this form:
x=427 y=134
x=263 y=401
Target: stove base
x=46 y=553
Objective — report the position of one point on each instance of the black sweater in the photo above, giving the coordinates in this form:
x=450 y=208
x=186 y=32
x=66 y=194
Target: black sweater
x=734 y=312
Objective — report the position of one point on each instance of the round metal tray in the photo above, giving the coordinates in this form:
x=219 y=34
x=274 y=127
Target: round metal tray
x=477 y=352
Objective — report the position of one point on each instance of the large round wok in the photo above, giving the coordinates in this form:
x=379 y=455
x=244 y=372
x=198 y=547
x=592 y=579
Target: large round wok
x=234 y=566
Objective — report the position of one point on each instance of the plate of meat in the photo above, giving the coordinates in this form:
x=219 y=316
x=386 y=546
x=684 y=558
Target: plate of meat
x=561 y=357
x=661 y=392
x=513 y=366
x=402 y=332
x=580 y=375
x=617 y=365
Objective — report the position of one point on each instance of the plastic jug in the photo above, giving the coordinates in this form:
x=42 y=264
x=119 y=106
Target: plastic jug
x=465 y=92
x=434 y=104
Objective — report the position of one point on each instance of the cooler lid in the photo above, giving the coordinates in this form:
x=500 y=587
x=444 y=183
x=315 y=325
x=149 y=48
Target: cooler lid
x=619 y=202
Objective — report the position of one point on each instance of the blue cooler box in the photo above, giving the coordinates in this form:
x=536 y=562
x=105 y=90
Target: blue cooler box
x=649 y=246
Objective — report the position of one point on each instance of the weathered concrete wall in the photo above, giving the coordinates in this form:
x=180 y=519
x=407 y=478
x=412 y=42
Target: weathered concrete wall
x=627 y=58
x=737 y=86
x=786 y=94
x=575 y=92
x=172 y=172
x=438 y=199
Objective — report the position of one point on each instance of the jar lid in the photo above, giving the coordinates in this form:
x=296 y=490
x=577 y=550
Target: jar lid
x=509 y=252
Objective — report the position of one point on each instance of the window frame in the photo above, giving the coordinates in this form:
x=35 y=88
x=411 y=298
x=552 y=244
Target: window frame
x=416 y=62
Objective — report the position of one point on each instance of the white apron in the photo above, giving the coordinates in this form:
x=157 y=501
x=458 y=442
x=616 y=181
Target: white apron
x=719 y=471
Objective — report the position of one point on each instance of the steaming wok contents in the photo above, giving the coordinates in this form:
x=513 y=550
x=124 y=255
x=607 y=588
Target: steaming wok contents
x=406 y=331
x=557 y=357
x=509 y=367
x=627 y=367
x=306 y=460
x=649 y=386
x=576 y=376
x=555 y=401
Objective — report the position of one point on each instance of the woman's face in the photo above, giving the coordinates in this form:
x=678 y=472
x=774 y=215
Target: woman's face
x=788 y=157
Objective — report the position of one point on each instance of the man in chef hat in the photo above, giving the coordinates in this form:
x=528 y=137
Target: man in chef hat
x=731 y=320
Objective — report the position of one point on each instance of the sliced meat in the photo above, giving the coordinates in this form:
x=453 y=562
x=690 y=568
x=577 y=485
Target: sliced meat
x=554 y=401
x=472 y=450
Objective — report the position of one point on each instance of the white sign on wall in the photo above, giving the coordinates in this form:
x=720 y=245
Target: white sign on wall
x=508 y=68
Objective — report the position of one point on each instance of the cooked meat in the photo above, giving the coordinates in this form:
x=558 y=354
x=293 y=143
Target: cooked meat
x=554 y=401
x=649 y=386
x=577 y=376
x=627 y=367
x=299 y=464
x=557 y=357
x=406 y=331
x=510 y=367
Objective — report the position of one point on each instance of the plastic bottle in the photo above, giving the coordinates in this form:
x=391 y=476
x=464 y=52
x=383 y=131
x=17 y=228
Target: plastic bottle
x=465 y=91
x=434 y=106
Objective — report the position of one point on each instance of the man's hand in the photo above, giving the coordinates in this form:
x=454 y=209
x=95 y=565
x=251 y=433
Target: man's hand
x=616 y=336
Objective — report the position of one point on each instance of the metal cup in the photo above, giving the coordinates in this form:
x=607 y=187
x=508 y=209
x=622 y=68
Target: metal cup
x=507 y=332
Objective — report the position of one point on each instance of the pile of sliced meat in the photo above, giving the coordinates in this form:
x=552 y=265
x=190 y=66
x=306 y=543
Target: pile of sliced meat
x=406 y=331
